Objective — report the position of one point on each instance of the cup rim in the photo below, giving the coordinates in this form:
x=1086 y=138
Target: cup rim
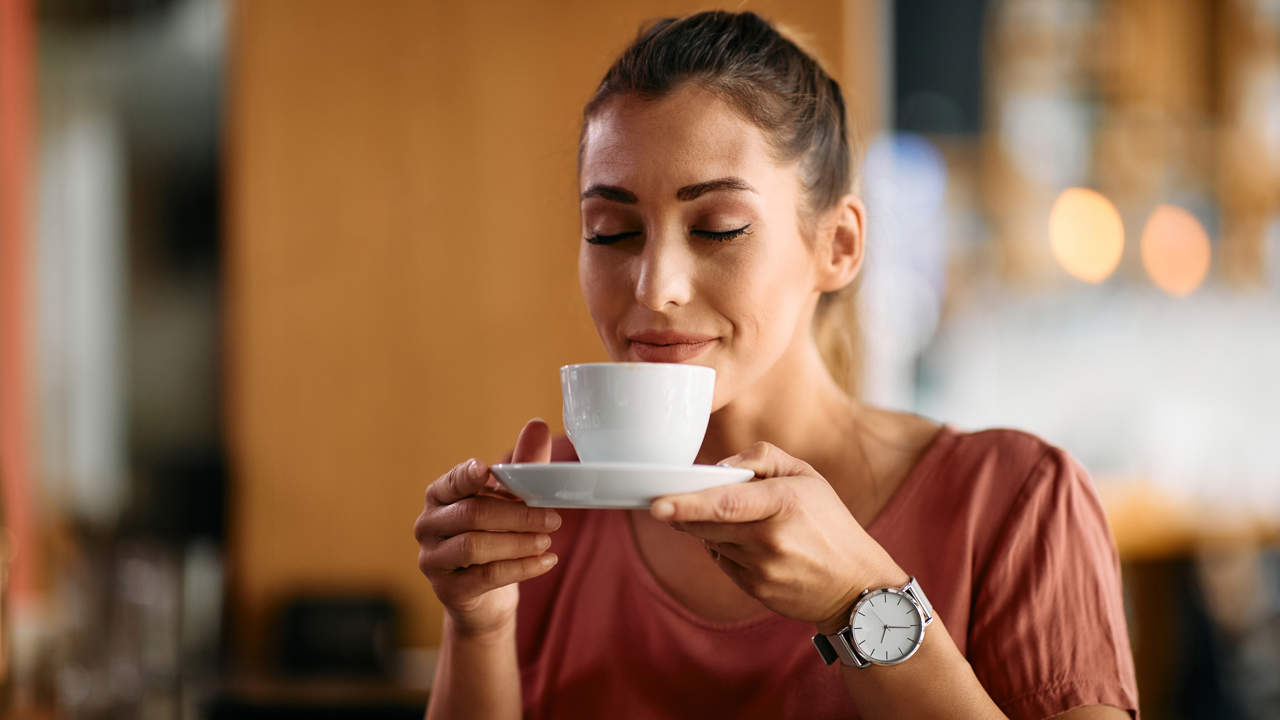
x=646 y=365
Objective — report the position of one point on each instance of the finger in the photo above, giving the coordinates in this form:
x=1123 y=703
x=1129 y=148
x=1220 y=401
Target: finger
x=494 y=488
x=479 y=548
x=728 y=553
x=728 y=559
x=464 y=480
x=768 y=460
x=492 y=515
x=534 y=443
x=713 y=551
x=719 y=532
x=739 y=503
x=483 y=578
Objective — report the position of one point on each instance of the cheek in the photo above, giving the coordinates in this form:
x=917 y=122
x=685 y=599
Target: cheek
x=591 y=282
x=759 y=293
x=603 y=290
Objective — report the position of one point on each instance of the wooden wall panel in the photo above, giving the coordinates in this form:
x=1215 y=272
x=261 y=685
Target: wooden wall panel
x=19 y=497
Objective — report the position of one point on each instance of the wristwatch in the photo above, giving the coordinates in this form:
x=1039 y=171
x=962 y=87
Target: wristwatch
x=886 y=626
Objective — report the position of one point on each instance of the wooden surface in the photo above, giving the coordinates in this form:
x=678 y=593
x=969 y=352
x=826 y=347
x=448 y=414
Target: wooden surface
x=401 y=263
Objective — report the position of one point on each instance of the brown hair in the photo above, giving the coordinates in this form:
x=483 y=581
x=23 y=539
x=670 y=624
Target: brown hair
x=785 y=92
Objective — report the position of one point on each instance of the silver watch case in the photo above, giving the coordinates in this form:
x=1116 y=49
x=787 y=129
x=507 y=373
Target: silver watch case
x=847 y=651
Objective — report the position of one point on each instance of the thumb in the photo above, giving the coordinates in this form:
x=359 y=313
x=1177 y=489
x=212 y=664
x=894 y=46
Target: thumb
x=534 y=443
x=768 y=460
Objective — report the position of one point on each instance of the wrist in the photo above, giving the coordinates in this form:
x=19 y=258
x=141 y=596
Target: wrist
x=836 y=622
x=490 y=634
x=893 y=576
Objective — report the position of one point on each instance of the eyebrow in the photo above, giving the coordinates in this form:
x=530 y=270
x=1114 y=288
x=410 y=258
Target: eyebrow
x=686 y=193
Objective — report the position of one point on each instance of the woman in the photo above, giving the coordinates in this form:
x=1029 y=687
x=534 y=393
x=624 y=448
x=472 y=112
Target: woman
x=718 y=228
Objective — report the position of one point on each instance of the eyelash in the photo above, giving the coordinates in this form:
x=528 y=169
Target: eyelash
x=713 y=235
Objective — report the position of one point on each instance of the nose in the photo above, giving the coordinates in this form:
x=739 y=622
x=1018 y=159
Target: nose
x=665 y=275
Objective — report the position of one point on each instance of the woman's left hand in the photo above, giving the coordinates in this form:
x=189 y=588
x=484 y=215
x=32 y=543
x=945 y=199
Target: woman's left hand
x=785 y=537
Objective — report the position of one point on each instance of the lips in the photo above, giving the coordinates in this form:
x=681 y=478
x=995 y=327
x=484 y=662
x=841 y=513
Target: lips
x=668 y=345
x=668 y=337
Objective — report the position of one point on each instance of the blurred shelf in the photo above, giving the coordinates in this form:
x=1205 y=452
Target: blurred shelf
x=32 y=714
x=251 y=696
x=1149 y=523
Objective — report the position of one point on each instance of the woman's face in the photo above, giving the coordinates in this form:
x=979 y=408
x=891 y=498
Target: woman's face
x=692 y=248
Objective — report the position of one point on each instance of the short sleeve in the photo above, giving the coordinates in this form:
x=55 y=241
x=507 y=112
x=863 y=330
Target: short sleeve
x=1047 y=631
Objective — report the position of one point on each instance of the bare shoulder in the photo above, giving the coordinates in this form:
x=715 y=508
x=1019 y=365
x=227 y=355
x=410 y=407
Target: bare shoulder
x=887 y=445
x=901 y=432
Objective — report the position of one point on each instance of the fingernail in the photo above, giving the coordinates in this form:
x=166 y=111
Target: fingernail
x=543 y=542
x=724 y=463
x=551 y=520
x=548 y=560
x=471 y=466
x=663 y=509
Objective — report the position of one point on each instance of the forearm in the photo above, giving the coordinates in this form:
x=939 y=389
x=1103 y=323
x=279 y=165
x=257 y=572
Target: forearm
x=935 y=682
x=477 y=677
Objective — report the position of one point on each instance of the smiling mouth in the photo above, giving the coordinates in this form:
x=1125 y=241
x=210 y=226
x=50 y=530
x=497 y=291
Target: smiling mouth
x=669 y=352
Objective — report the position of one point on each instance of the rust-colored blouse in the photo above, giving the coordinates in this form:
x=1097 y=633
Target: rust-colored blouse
x=1003 y=531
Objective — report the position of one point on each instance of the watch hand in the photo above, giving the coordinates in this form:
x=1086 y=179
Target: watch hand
x=883 y=630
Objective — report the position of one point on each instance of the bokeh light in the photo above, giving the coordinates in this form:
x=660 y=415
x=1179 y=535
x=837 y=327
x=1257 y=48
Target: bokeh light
x=1086 y=234
x=1175 y=250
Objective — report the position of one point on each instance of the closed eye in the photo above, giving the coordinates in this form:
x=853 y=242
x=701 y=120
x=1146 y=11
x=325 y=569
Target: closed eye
x=607 y=239
x=725 y=234
x=722 y=235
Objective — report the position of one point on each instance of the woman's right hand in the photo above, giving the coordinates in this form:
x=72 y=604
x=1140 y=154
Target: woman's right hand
x=474 y=544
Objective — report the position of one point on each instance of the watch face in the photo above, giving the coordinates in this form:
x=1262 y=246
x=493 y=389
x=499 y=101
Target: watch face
x=886 y=626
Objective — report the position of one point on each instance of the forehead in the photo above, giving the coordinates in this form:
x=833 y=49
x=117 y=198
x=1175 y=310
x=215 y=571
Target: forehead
x=688 y=136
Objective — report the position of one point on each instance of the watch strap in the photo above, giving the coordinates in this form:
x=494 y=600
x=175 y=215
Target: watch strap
x=825 y=648
x=839 y=646
x=913 y=588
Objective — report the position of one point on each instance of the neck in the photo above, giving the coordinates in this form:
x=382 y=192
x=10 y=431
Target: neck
x=796 y=406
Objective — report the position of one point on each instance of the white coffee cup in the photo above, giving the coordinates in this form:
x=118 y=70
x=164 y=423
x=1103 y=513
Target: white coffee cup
x=637 y=412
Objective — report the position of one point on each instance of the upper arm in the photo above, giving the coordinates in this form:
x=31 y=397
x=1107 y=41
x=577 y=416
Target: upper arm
x=1047 y=629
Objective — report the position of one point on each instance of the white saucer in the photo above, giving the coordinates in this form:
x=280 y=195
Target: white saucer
x=609 y=485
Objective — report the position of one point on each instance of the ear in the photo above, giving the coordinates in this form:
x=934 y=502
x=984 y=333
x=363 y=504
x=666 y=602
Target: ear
x=841 y=236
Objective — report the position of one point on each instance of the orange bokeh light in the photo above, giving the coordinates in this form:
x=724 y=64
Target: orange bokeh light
x=1175 y=250
x=1086 y=234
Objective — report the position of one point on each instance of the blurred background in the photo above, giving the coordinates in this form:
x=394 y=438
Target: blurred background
x=269 y=268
